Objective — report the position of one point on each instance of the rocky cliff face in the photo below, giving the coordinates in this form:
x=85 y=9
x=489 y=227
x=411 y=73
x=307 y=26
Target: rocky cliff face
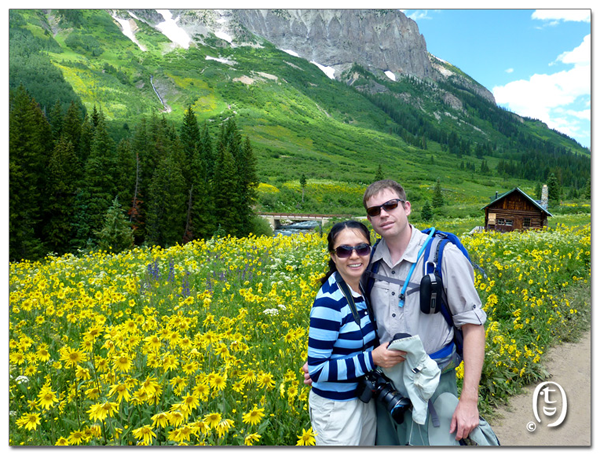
x=383 y=40
x=378 y=40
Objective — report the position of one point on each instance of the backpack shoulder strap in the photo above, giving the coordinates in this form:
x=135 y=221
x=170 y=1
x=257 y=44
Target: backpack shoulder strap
x=368 y=278
x=433 y=264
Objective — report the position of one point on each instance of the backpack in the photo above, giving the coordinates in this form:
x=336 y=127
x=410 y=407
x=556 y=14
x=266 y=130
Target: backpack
x=433 y=297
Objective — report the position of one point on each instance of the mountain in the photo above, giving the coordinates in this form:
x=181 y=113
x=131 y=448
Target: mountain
x=332 y=94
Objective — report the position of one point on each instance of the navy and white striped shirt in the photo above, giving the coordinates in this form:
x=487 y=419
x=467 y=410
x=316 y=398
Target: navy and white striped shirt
x=339 y=352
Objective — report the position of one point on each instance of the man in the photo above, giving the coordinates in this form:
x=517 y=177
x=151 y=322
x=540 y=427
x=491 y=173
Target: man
x=388 y=211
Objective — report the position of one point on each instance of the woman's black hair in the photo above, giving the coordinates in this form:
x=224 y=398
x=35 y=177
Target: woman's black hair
x=334 y=232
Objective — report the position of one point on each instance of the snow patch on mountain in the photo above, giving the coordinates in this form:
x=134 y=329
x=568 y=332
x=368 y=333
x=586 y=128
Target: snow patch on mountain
x=329 y=71
x=391 y=75
x=221 y=60
x=295 y=54
x=222 y=30
x=171 y=30
x=127 y=30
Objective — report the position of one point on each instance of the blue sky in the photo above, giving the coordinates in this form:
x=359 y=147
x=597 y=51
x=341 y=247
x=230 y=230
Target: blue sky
x=537 y=63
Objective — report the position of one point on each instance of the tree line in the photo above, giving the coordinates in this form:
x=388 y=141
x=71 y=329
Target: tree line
x=535 y=158
x=72 y=186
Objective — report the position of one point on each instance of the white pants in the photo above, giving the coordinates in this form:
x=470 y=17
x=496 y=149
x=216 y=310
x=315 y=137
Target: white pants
x=342 y=423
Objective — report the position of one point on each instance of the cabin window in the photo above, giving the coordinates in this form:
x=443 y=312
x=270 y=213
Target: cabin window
x=526 y=222
x=500 y=221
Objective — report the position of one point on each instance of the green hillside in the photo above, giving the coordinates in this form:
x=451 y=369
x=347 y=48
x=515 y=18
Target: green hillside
x=298 y=120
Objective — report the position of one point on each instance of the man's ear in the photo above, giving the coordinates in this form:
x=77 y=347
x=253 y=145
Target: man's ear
x=407 y=208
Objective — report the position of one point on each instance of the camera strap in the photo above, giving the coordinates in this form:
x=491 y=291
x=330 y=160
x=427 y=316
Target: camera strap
x=348 y=294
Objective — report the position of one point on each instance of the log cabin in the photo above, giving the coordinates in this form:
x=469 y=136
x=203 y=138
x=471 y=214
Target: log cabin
x=516 y=210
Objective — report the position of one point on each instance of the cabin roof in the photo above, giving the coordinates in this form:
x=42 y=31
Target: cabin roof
x=534 y=202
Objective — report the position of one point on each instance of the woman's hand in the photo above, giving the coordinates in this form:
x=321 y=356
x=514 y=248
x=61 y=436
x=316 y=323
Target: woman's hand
x=387 y=358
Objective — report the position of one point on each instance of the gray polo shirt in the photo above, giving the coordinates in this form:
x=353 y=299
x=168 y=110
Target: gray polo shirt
x=433 y=329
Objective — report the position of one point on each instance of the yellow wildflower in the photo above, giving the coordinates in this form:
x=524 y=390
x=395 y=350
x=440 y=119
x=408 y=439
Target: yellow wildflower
x=254 y=416
x=145 y=434
x=307 y=438
x=29 y=420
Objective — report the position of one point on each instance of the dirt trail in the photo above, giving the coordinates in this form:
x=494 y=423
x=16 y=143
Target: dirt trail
x=569 y=365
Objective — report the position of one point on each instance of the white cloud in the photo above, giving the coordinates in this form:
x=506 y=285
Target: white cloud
x=581 y=55
x=418 y=15
x=566 y=15
x=510 y=70
x=551 y=97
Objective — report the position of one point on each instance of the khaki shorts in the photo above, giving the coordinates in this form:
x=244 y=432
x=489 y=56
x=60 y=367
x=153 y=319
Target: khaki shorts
x=342 y=423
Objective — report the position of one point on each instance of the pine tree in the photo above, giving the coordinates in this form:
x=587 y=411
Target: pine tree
x=166 y=204
x=554 y=190
x=190 y=139
x=303 y=185
x=202 y=218
x=248 y=184
x=125 y=174
x=96 y=117
x=244 y=175
x=427 y=212
x=56 y=120
x=484 y=167
x=438 y=198
x=146 y=162
x=116 y=234
x=81 y=239
x=30 y=142
x=63 y=173
x=379 y=174
x=86 y=138
x=226 y=192
x=136 y=217
x=99 y=183
x=538 y=191
x=207 y=153
x=71 y=129
x=588 y=189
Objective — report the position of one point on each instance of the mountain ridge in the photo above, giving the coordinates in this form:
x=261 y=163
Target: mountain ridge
x=366 y=116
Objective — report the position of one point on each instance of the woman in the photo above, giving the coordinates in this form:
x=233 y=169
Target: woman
x=340 y=351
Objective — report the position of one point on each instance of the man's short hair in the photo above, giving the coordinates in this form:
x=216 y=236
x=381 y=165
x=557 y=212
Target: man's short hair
x=377 y=187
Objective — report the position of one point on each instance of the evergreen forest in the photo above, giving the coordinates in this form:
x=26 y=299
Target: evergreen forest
x=73 y=188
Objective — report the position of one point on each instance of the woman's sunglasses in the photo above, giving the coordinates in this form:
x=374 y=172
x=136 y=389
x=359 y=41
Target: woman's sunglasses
x=345 y=251
x=389 y=205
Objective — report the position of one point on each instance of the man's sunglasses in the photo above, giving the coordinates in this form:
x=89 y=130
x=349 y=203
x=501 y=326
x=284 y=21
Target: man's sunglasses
x=345 y=251
x=388 y=206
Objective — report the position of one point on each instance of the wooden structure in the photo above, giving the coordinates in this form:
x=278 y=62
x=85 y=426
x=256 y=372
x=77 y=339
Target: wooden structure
x=515 y=210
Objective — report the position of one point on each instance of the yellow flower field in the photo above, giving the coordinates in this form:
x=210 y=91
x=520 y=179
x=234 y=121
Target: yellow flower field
x=203 y=344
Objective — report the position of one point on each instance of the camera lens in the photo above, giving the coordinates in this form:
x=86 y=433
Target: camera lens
x=399 y=409
x=394 y=402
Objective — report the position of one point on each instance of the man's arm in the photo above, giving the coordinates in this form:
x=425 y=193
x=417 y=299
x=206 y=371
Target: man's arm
x=466 y=415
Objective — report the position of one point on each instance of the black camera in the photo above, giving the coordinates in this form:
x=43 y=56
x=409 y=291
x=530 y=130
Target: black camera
x=378 y=385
